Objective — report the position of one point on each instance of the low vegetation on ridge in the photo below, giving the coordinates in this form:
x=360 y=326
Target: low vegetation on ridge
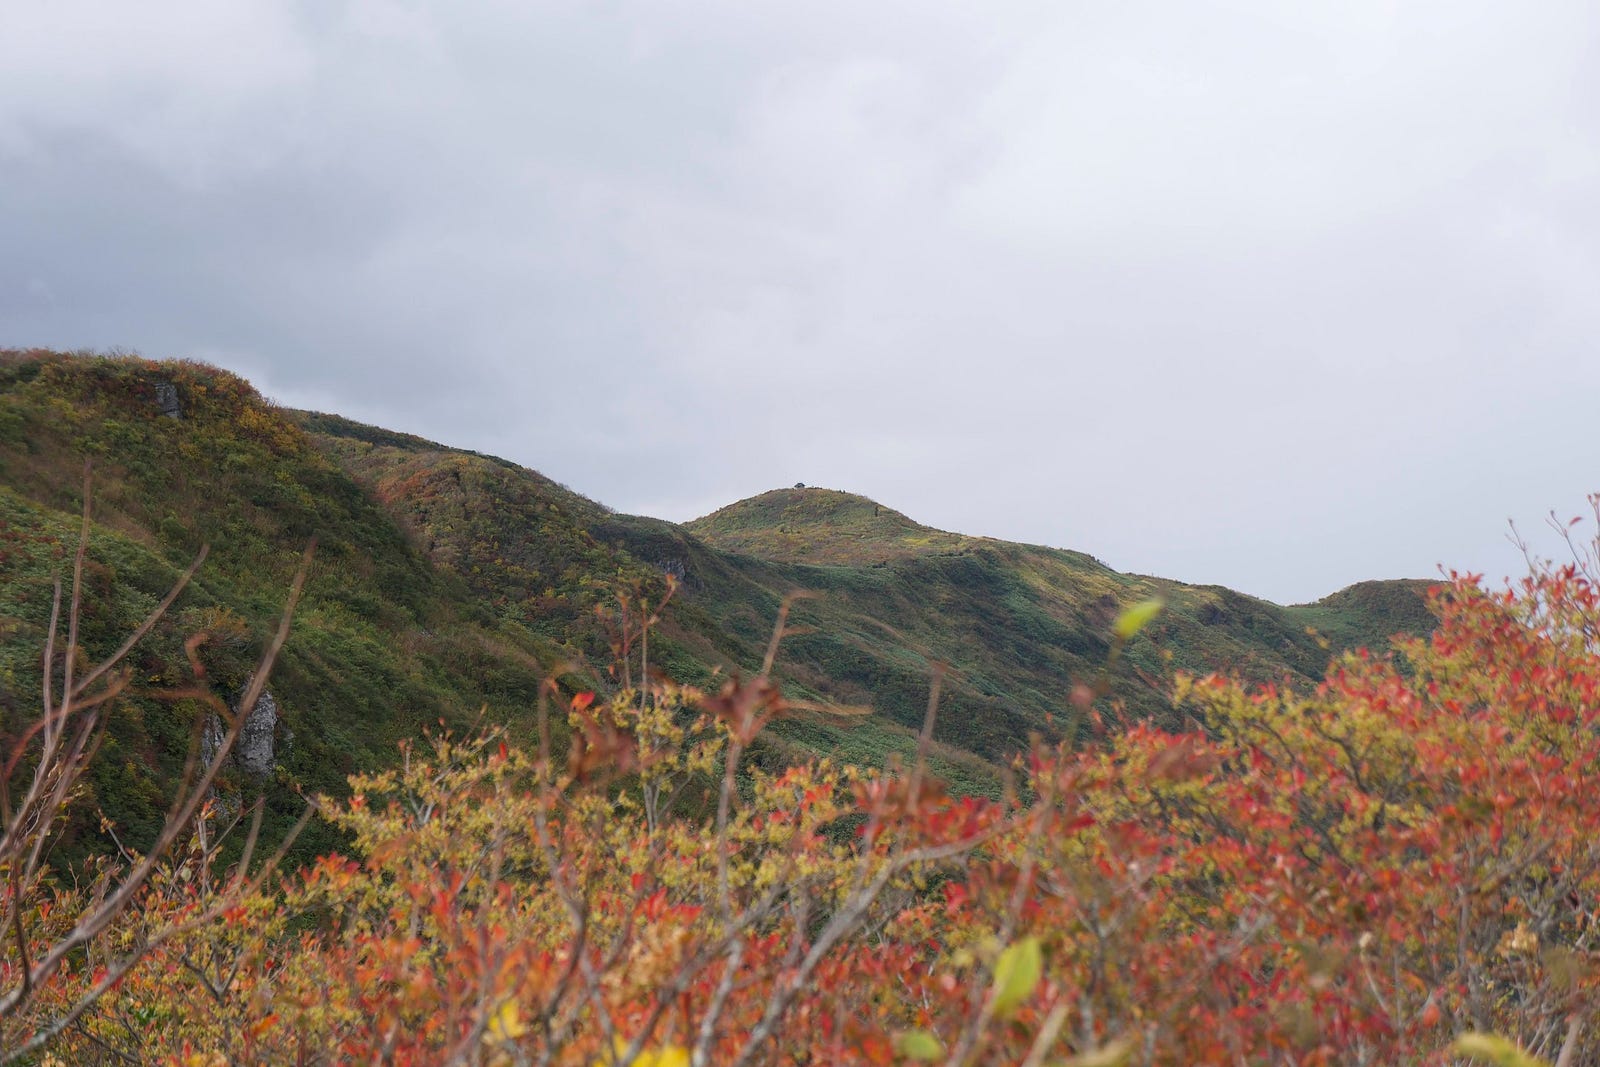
x=799 y=782
x=1397 y=867
x=448 y=583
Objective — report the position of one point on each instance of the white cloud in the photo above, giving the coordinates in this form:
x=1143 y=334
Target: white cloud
x=172 y=84
x=1276 y=295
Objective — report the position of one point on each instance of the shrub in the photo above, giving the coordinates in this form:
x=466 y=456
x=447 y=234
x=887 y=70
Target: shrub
x=1375 y=871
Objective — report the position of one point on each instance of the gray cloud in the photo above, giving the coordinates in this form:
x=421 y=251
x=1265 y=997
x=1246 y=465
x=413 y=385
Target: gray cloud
x=1280 y=296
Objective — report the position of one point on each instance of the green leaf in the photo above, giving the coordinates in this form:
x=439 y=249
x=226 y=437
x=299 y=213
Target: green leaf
x=1114 y=1054
x=1137 y=617
x=1016 y=973
x=1495 y=1050
x=919 y=1045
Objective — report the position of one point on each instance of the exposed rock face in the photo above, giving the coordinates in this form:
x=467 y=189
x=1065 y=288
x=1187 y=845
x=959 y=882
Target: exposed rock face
x=256 y=750
x=167 y=400
x=210 y=740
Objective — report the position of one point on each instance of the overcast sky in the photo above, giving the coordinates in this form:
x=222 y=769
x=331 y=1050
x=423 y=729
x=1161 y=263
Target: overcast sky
x=1276 y=295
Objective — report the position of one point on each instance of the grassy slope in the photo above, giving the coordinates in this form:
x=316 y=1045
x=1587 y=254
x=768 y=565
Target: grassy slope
x=1020 y=621
x=384 y=645
x=545 y=558
x=822 y=526
x=446 y=580
x=888 y=598
x=1367 y=614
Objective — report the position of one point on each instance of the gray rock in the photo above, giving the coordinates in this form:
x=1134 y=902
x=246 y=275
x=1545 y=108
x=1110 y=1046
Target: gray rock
x=256 y=749
x=167 y=400
x=210 y=740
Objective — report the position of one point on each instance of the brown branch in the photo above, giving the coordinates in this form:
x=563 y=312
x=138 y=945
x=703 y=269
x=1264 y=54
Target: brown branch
x=96 y=919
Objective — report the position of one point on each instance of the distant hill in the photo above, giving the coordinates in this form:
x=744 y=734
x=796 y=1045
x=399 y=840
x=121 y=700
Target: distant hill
x=825 y=526
x=448 y=583
x=889 y=597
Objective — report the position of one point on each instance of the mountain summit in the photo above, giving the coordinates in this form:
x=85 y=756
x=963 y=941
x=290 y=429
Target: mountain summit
x=820 y=526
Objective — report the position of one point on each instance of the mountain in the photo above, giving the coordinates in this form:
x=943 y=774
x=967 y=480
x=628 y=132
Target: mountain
x=821 y=526
x=1017 y=621
x=386 y=642
x=448 y=583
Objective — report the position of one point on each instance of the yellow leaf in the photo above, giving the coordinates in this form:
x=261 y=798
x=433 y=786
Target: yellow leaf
x=1495 y=1050
x=1137 y=618
x=919 y=1045
x=667 y=1056
x=671 y=1056
x=506 y=1023
x=1016 y=974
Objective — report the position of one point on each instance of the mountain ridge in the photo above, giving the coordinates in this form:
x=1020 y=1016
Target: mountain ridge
x=448 y=584
x=739 y=527
x=753 y=551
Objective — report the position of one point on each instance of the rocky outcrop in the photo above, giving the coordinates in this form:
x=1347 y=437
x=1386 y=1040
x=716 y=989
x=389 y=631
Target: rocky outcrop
x=256 y=750
x=167 y=400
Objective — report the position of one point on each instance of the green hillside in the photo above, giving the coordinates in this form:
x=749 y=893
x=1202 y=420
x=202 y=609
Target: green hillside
x=823 y=526
x=385 y=644
x=448 y=583
x=887 y=598
x=1017 y=621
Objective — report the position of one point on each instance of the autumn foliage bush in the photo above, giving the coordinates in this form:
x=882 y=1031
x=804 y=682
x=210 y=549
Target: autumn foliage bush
x=1359 y=874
